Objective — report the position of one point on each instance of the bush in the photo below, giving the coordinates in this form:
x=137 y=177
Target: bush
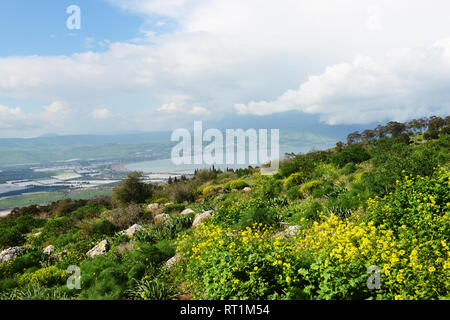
x=354 y=153
x=11 y=237
x=294 y=179
x=125 y=217
x=101 y=228
x=132 y=190
x=310 y=186
x=47 y=277
x=236 y=184
x=174 y=207
x=158 y=288
x=210 y=189
x=293 y=193
x=349 y=168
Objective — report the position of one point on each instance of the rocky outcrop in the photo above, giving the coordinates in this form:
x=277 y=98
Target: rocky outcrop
x=187 y=211
x=49 y=249
x=131 y=231
x=201 y=217
x=153 y=206
x=11 y=253
x=99 y=249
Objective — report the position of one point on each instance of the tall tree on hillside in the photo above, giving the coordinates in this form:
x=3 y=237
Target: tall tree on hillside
x=132 y=189
x=353 y=137
x=395 y=128
x=380 y=131
x=368 y=135
x=435 y=123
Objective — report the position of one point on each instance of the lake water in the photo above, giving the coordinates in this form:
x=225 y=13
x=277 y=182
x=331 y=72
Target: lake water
x=167 y=166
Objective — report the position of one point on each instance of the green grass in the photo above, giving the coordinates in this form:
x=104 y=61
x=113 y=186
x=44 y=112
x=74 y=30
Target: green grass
x=48 y=197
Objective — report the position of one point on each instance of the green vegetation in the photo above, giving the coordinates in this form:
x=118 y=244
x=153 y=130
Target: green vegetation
x=311 y=231
x=48 y=197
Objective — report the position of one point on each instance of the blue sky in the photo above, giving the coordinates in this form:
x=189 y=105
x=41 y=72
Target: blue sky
x=161 y=64
x=39 y=27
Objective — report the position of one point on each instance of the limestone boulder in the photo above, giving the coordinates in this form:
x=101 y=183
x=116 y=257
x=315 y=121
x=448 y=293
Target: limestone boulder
x=131 y=231
x=11 y=253
x=201 y=217
x=49 y=249
x=187 y=211
x=99 y=249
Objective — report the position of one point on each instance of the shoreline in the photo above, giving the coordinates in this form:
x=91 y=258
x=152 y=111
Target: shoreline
x=5 y=212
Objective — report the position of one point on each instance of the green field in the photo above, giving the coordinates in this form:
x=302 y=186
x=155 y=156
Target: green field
x=48 y=197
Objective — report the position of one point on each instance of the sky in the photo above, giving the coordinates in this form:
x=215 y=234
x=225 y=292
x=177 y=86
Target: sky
x=152 y=65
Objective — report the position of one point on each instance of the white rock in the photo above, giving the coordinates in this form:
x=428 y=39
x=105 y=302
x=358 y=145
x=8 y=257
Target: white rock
x=187 y=211
x=247 y=189
x=153 y=206
x=172 y=261
x=131 y=231
x=290 y=231
x=49 y=249
x=201 y=217
x=99 y=249
x=11 y=253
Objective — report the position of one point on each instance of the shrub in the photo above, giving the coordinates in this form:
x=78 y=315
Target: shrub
x=236 y=184
x=354 y=153
x=161 y=200
x=47 y=277
x=125 y=217
x=11 y=237
x=158 y=288
x=293 y=193
x=310 y=186
x=174 y=207
x=210 y=189
x=132 y=190
x=294 y=179
x=101 y=228
x=349 y=168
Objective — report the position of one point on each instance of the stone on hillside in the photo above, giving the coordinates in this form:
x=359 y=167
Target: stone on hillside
x=162 y=218
x=49 y=249
x=153 y=206
x=99 y=249
x=288 y=232
x=11 y=253
x=187 y=211
x=172 y=261
x=131 y=231
x=247 y=189
x=201 y=217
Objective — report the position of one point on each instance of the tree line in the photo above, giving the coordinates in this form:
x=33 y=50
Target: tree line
x=431 y=128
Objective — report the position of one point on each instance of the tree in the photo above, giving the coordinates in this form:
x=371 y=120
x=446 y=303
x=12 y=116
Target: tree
x=395 y=128
x=132 y=189
x=368 y=135
x=380 y=131
x=435 y=123
x=353 y=137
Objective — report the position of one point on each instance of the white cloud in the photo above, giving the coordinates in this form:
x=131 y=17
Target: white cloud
x=228 y=52
x=101 y=113
x=11 y=118
x=404 y=84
